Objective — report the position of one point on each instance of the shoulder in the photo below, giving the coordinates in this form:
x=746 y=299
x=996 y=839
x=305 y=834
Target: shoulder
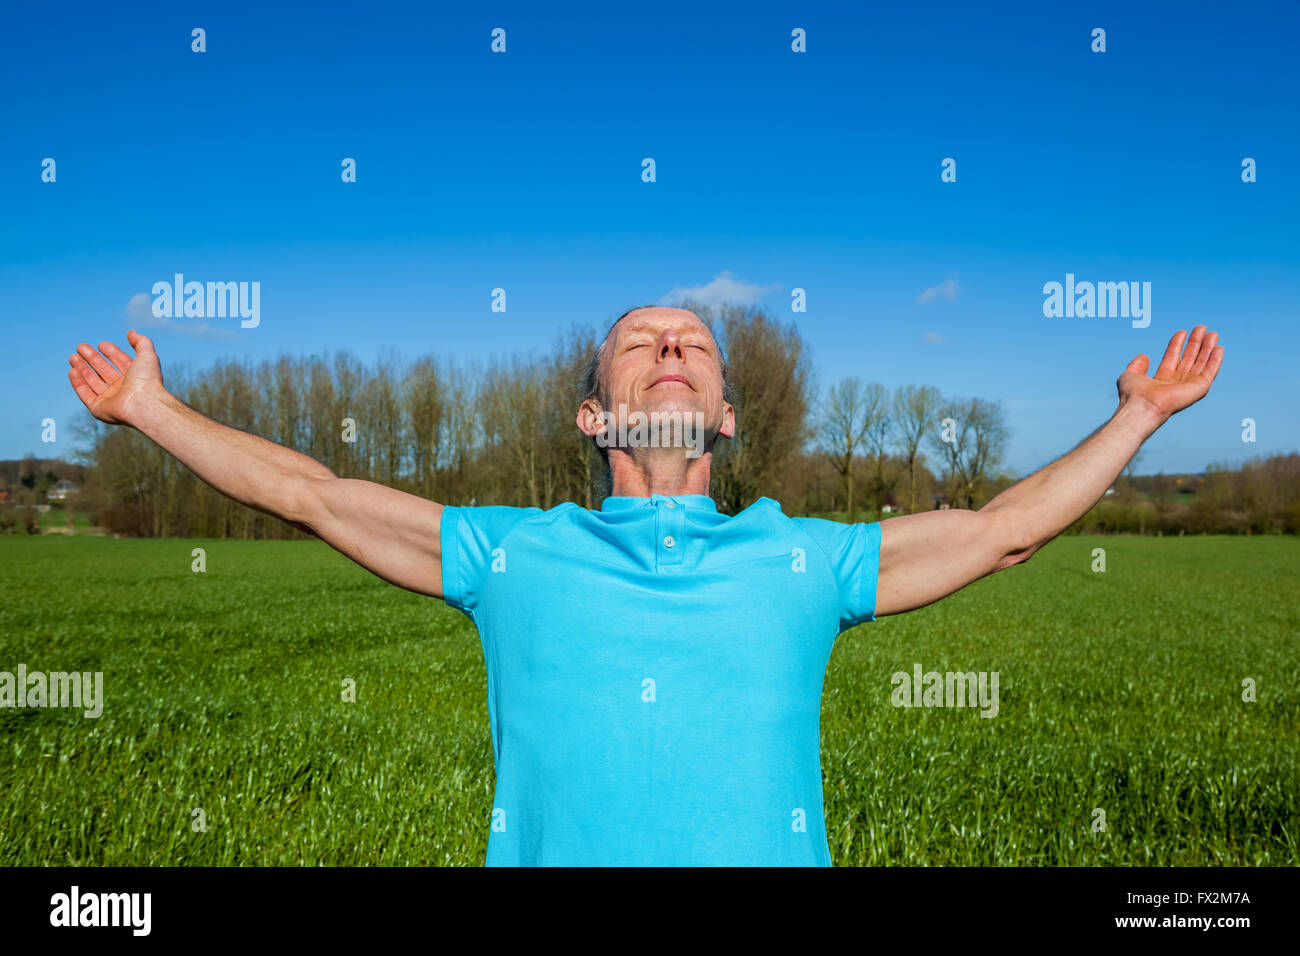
x=495 y=522
x=766 y=516
x=838 y=539
x=770 y=510
x=763 y=509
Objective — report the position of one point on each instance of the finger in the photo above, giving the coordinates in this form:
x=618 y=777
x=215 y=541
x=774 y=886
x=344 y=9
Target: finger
x=99 y=363
x=1207 y=348
x=116 y=356
x=1216 y=359
x=1193 y=349
x=81 y=388
x=1170 y=360
x=88 y=374
x=1139 y=365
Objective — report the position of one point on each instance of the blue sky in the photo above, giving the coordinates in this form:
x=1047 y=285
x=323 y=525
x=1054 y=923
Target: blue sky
x=775 y=170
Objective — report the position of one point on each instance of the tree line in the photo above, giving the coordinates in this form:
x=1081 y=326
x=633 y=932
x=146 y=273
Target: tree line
x=1260 y=497
x=503 y=432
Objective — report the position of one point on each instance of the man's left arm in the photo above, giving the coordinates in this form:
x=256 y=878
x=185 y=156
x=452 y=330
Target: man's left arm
x=927 y=556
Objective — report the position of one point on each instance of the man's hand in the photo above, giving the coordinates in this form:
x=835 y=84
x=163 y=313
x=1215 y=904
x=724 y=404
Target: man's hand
x=111 y=393
x=1177 y=383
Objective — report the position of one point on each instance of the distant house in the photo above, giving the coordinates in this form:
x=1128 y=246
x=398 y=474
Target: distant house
x=940 y=503
x=61 y=490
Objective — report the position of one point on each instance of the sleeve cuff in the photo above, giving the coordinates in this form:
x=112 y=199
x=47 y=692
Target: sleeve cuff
x=870 y=572
x=449 y=539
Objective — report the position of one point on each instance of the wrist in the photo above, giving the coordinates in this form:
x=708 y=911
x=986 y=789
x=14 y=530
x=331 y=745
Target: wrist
x=1142 y=412
x=147 y=406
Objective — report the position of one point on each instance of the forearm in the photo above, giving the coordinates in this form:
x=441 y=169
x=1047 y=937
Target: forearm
x=249 y=469
x=1038 y=508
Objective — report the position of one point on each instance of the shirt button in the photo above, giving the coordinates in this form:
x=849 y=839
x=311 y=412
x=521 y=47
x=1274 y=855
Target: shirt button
x=669 y=542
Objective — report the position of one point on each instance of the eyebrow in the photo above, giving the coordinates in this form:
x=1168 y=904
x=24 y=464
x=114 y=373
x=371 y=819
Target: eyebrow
x=634 y=329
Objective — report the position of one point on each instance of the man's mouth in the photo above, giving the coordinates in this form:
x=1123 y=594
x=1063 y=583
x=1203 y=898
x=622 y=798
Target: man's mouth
x=671 y=378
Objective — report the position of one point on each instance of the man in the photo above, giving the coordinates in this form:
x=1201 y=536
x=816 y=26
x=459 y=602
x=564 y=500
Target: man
x=654 y=668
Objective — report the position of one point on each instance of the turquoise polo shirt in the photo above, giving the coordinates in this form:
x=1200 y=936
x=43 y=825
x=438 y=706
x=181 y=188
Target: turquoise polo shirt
x=654 y=675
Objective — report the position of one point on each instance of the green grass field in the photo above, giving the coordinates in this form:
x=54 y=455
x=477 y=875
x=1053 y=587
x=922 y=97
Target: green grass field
x=1120 y=691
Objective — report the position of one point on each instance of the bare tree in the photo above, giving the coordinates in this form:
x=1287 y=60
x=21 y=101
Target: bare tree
x=422 y=394
x=877 y=435
x=349 y=378
x=513 y=410
x=578 y=464
x=769 y=375
x=462 y=433
x=971 y=438
x=323 y=430
x=384 y=421
x=851 y=415
x=914 y=414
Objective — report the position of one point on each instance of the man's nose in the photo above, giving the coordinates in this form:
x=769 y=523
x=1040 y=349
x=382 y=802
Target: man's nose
x=670 y=345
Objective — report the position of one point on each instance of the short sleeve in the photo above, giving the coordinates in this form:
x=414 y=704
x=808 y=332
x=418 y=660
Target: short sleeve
x=471 y=539
x=854 y=554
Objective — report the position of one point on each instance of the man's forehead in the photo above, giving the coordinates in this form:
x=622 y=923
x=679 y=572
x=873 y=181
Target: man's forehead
x=656 y=319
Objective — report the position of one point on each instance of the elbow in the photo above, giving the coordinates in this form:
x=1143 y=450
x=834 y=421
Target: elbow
x=319 y=470
x=305 y=529
x=303 y=503
x=1012 y=543
x=1012 y=558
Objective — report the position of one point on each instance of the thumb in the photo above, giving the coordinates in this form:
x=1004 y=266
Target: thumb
x=1139 y=365
x=141 y=343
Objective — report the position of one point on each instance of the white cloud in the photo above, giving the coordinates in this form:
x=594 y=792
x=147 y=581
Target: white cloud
x=935 y=338
x=140 y=310
x=947 y=290
x=723 y=289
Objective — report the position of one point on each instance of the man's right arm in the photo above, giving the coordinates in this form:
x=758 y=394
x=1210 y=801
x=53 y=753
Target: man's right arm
x=395 y=535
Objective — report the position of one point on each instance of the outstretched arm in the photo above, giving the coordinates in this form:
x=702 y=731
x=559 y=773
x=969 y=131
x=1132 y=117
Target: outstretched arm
x=925 y=557
x=391 y=533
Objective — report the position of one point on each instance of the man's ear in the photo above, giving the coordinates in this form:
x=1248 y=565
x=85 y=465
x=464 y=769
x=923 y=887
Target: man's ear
x=591 y=420
x=728 y=429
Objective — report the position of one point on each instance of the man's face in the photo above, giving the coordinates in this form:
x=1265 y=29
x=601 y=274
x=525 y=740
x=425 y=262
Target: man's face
x=665 y=360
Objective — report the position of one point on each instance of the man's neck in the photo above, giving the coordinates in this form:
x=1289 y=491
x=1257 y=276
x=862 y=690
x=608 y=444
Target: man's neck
x=672 y=474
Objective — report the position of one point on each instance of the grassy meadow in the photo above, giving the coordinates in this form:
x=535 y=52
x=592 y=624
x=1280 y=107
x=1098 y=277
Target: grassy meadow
x=1119 y=691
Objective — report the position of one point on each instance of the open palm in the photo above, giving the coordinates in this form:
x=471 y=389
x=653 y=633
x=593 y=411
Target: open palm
x=108 y=381
x=1179 y=381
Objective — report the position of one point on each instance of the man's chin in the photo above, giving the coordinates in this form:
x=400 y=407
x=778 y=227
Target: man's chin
x=670 y=422
x=672 y=406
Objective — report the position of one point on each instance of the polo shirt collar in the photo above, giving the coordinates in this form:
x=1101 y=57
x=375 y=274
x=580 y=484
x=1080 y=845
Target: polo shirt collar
x=694 y=502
